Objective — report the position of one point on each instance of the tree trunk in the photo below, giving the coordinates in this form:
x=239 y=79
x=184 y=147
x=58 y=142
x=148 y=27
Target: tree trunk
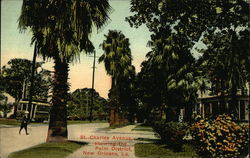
x=57 y=131
x=233 y=106
x=16 y=103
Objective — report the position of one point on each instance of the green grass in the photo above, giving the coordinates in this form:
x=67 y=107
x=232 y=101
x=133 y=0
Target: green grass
x=117 y=126
x=114 y=127
x=154 y=150
x=12 y=122
x=83 y=122
x=15 y=122
x=148 y=140
x=45 y=150
x=143 y=128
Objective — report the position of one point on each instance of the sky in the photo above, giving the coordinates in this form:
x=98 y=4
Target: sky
x=17 y=45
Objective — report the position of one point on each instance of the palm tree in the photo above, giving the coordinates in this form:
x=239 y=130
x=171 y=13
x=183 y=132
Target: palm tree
x=167 y=75
x=61 y=31
x=117 y=59
x=117 y=55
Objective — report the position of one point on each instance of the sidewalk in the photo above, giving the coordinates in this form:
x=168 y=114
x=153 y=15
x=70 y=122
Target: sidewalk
x=110 y=143
x=11 y=141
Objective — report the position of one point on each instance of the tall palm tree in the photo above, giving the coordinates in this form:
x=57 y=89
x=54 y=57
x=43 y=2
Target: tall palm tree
x=61 y=31
x=117 y=56
x=117 y=59
x=167 y=74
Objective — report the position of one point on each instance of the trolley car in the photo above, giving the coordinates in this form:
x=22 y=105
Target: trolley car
x=39 y=110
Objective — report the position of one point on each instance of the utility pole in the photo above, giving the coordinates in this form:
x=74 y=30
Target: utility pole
x=32 y=83
x=92 y=94
x=0 y=58
x=0 y=62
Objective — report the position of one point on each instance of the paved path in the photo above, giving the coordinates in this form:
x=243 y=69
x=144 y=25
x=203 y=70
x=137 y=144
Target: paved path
x=108 y=143
x=102 y=141
x=11 y=141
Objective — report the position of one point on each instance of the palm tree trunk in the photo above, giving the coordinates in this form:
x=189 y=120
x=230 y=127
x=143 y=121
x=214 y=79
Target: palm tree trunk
x=57 y=131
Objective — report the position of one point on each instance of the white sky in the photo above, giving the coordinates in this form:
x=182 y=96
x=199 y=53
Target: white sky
x=17 y=45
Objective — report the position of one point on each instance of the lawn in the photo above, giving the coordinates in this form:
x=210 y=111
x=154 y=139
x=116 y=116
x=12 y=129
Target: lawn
x=154 y=150
x=143 y=128
x=15 y=122
x=45 y=150
x=81 y=122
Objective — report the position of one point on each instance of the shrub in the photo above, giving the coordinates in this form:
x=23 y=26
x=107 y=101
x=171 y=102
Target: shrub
x=171 y=133
x=220 y=137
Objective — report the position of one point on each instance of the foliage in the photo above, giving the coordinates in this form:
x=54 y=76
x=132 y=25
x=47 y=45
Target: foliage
x=171 y=133
x=176 y=26
x=78 y=105
x=63 y=33
x=5 y=107
x=117 y=60
x=168 y=78
x=225 y=62
x=191 y=17
x=16 y=75
x=220 y=137
x=155 y=150
x=117 y=56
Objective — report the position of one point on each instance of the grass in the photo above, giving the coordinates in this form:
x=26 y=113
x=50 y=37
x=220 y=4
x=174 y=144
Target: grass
x=14 y=122
x=148 y=140
x=154 y=150
x=45 y=150
x=69 y=122
x=113 y=127
x=143 y=128
x=117 y=126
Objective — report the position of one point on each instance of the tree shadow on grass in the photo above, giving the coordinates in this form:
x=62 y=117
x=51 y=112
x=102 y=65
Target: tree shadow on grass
x=78 y=142
x=149 y=140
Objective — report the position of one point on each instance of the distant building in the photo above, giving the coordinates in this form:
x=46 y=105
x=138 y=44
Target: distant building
x=211 y=106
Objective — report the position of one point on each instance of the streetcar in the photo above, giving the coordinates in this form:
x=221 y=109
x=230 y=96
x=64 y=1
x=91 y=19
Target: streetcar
x=39 y=110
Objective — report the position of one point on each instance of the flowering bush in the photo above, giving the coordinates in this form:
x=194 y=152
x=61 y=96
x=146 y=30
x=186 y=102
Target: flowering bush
x=220 y=138
x=171 y=133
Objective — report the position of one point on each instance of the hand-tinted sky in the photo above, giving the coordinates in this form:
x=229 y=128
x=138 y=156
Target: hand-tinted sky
x=17 y=45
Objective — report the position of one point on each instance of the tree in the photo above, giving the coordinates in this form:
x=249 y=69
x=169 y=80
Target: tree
x=167 y=78
x=79 y=105
x=190 y=16
x=5 y=107
x=117 y=60
x=189 y=20
x=62 y=36
x=117 y=55
x=15 y=77
x=226 y=61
